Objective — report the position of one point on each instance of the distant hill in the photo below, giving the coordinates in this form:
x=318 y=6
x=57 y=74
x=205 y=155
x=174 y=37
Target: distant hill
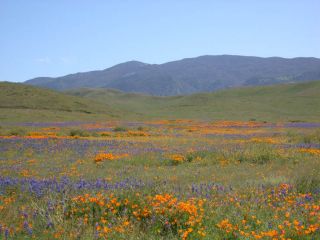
x=24 y=102
x=285 y=102
x=191 y=75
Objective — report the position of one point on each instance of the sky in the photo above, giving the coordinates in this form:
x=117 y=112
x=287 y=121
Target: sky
x=58 y=37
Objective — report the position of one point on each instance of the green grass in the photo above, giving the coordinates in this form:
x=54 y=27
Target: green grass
x=288 y=102
x=20 y=102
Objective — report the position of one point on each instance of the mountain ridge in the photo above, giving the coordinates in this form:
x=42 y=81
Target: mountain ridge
x=190 y=75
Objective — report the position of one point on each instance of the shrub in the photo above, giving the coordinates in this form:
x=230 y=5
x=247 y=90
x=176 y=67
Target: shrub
x=79 y=133
x=140 y=128
x=195 y=156
x=17 y=132
x=105 y=134
x=120 y=129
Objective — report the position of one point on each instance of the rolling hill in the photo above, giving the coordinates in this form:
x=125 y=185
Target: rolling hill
x=19 y=102
x=285 y=102
x=191 y=75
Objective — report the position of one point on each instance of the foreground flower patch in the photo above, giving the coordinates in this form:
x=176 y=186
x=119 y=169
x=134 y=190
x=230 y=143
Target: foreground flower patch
x=160 y=214
x=166 y=180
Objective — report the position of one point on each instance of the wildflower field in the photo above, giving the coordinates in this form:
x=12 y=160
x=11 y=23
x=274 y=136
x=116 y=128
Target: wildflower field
x=168 y=179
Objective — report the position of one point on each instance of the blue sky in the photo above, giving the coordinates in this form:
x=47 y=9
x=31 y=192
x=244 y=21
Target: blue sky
x=58 y=37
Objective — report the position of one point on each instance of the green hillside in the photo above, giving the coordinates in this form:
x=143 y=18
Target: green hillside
x=287 y=102
x=20 y=102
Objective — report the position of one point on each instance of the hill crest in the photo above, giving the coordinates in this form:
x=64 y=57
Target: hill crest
x=190 y=75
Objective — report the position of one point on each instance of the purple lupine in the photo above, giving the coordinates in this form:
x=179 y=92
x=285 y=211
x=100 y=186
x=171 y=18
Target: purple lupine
x=50 y=224
x=6 y=233
x=27 y=228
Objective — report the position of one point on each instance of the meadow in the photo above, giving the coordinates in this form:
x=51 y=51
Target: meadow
x=160 y=179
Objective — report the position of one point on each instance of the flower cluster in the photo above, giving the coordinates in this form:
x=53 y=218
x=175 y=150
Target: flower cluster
x=163 y=214
x=285 y=208
x=310 y=150
x=100 y=157
x=176 y=159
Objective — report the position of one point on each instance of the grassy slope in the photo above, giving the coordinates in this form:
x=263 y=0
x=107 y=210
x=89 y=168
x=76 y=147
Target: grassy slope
x=271 y=103
x=288 y=102
x=20 y=102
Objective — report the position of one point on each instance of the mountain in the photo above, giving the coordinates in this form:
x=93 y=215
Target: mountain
x=24 y=102
x=284 y=102
x=191 y=75
x=88 y=79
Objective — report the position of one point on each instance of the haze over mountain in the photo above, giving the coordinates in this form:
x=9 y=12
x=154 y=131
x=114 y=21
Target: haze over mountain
x=190 y=75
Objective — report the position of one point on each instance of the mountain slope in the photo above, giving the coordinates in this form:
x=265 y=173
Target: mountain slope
x=285 y=102
x=87 y=79
x=191 y=75
x=18 y=101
